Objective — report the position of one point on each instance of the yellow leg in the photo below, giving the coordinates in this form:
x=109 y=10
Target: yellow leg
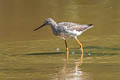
x=81 y=58
x=67 y=50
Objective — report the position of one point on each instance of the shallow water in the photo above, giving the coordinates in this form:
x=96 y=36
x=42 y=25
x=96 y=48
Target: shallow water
x=28 y=55
x=37 y=60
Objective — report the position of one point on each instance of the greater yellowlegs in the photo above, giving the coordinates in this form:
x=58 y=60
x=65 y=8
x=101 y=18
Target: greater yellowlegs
x=66 y=30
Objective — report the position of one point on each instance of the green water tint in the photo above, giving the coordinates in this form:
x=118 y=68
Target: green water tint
x=36 y=59
x=28 y=55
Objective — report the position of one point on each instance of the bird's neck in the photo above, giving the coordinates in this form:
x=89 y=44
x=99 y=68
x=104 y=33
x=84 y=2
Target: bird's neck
x=53 y=24
x=54 y=27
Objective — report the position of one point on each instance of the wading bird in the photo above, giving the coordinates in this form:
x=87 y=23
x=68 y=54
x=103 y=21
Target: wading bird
x=66 y=30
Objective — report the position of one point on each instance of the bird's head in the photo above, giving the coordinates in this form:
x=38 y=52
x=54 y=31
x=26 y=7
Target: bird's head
x=48 y=21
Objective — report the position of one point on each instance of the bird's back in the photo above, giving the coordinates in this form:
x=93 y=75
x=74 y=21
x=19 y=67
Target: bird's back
x=73 y=26
x=69 y=29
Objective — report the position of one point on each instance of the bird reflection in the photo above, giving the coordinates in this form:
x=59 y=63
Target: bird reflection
x=71 y=72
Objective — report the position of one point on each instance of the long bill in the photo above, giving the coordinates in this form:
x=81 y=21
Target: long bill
x=40 y=27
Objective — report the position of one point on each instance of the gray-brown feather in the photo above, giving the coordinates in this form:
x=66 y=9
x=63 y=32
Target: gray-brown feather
x=73 y=26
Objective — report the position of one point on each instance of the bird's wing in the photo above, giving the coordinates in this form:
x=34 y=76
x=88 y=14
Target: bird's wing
x=73 y=26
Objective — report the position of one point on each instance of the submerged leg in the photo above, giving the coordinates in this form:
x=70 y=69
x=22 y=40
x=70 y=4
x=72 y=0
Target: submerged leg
x=67 y=50
x=81 y=58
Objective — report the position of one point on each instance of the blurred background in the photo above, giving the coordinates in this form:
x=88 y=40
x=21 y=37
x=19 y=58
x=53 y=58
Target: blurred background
x=39 y=55
x=18 y=18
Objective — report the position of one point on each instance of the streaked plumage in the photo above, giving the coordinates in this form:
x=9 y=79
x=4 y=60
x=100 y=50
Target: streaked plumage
x=69 y=29
x=66 y=30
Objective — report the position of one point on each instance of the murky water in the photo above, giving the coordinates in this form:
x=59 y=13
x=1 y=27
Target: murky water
x=18 y=18
x=37 y=60
x=28 y=55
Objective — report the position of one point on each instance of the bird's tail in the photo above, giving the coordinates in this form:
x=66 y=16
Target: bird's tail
x=88 y=27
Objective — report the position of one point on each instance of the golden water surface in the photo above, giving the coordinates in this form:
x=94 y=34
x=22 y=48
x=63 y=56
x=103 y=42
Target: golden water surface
x=29 y=55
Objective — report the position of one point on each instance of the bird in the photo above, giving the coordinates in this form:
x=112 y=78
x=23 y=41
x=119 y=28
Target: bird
x=66 y=30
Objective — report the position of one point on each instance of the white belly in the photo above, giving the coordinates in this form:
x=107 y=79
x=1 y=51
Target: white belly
x=68 y=34
x=74 y=32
